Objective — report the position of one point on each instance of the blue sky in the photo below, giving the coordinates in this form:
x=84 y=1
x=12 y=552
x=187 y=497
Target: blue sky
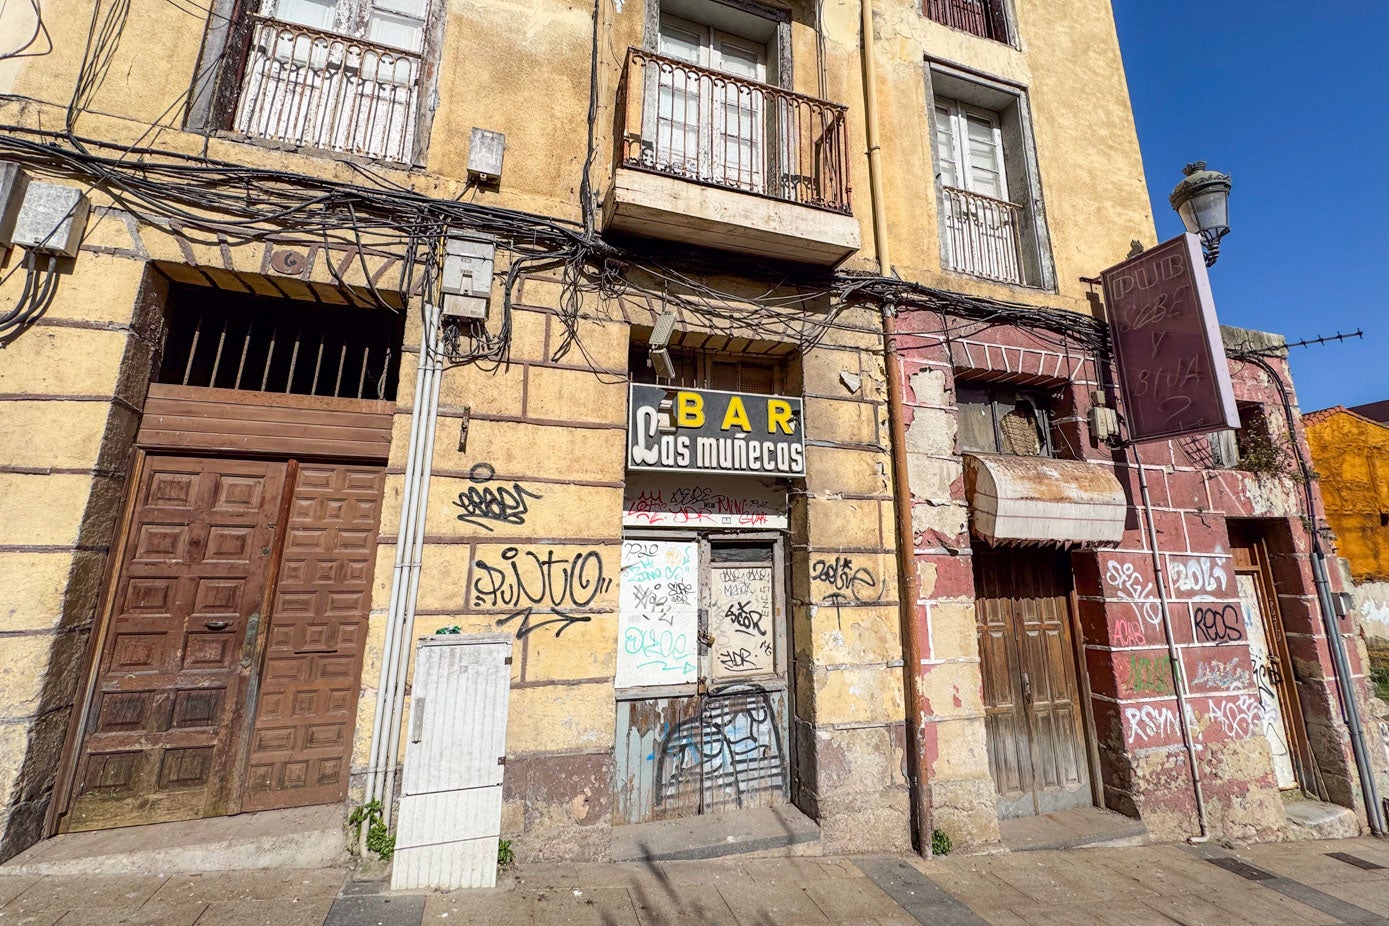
x=1292 y=100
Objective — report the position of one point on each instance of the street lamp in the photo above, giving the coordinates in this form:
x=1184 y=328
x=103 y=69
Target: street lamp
x=1203 y=202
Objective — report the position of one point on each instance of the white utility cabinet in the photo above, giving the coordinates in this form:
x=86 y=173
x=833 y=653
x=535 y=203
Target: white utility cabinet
x=451 y=796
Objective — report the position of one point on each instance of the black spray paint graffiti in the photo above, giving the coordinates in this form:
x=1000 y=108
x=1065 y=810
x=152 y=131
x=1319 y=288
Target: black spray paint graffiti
x=731 y=749
x=540 y=584
x=481 y=502
x=1218 y=623
x=847 y=582
x=745 y=619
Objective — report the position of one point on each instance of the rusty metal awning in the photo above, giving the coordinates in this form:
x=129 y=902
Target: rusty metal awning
x=1030 y=501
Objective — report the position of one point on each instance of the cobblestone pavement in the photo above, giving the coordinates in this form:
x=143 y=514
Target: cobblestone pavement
x=1299 y=884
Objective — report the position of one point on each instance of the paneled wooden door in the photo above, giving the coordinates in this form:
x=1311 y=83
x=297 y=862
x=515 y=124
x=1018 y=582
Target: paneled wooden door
x=182 y=658
x=307 y=701
x=162 y=736
x=1032 y=702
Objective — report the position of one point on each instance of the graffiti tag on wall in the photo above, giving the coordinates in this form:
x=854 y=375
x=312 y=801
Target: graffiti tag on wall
x=537 y=582
x=1133 y=587
x=1198 y=575
x=740 y=620
x=729 y=752
x=482 y=502
x=658 y=613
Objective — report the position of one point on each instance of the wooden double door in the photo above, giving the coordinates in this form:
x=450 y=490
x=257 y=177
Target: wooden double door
x=1032 y=701
x=229 y=666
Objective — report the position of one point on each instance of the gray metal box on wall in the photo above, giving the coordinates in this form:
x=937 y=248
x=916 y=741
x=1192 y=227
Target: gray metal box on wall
x=451 y=792
x=51 y=219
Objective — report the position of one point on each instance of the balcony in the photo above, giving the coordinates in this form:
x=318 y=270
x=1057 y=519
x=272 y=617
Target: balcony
x=315 y=89
x=709 y=159
x=983 y=236
x=983 y=18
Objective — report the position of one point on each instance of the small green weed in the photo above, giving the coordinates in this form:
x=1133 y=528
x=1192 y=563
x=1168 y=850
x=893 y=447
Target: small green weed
x=379 y=839
x=505 y=856
x=940 y=842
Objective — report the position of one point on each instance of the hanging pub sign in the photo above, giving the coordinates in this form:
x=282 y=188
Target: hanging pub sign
x=706 y=431
x=1168 y=353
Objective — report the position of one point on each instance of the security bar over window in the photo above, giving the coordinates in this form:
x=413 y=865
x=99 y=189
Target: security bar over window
x=981 y=17
x=341 y=76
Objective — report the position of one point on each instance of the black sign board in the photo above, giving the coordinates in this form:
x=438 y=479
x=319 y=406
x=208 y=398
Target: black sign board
x=705 y=431
x=1168 y=352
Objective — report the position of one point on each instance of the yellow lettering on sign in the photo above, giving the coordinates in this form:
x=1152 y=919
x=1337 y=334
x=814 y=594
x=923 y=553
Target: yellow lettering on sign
x=736 y=414
x=689 y=410
x=778 y=416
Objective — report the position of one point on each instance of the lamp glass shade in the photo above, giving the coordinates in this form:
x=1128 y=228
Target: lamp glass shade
x=1207 y=210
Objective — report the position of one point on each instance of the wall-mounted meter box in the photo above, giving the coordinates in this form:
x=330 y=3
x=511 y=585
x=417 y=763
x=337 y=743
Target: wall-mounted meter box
x=485 y=151
x=467 y=276
x=50 y=218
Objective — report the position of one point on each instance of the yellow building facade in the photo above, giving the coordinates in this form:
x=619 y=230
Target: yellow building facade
x=348 y=351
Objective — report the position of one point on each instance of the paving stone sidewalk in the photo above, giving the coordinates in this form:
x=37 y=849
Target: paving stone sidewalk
x=1299 y=884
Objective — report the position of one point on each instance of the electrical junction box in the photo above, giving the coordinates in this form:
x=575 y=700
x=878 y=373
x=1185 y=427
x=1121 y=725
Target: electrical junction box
x=51 y=219
x=467 y=277
x=485 y=151
x=1104 y=423
x=13 y=181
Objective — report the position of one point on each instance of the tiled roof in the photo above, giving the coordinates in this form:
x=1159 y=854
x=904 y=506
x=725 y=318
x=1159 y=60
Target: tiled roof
x=1317 y=417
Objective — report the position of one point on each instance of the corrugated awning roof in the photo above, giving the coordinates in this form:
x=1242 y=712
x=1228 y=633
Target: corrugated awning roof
x=1040 y=501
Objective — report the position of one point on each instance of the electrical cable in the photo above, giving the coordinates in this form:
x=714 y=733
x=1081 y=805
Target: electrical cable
x=40 y=29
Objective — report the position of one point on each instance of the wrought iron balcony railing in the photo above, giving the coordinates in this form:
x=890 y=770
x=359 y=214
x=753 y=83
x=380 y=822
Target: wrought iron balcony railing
x=980 y=17
x=321 y=90
x=713 y=128
x=983 y=236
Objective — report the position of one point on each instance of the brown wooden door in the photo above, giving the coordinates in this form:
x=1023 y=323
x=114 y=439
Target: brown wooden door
x=301 y=742
x=1281 y=719
x=162 y=737
x=1032 y=710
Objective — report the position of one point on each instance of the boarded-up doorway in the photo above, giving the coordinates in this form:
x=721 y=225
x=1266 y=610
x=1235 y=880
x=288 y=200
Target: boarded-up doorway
x=1032 y=701
x=702 y=681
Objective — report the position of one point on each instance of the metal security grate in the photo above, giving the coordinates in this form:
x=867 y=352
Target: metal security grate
x=308 y=87
x=231 y=340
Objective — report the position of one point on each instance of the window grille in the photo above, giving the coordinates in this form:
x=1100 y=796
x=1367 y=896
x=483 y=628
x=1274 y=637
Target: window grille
x=231 y=340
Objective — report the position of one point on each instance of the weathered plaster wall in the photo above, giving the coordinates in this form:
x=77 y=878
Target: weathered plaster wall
x=1351 y=457
x=522 y=69
x=552 y=424
x=73 y=387
x=556 y=428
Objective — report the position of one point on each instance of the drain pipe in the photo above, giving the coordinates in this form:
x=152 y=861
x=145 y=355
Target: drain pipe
x=400 y=613
x=913 y=651
x=1178 y=676
x=1350 y=708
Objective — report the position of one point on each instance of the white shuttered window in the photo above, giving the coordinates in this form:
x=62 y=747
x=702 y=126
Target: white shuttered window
x=979 y=223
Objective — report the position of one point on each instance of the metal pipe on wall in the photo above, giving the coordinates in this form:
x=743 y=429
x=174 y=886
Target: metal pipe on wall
x=400 y=612
x=1178 y=676
x=907 y=578
x=434 y=365
x=1350 y=707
